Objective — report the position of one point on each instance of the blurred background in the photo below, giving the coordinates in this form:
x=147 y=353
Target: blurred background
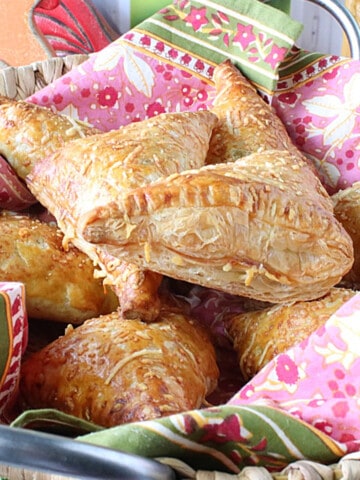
x=65 y=27
x=321 y=32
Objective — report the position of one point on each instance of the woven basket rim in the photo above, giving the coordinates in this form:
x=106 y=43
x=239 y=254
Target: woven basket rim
x=21 y=82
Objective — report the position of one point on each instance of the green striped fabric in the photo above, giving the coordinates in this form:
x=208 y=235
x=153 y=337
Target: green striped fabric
x=140 y=9
x=254 y=35
x=225 y=438
x=283 y=5
x=5 y=338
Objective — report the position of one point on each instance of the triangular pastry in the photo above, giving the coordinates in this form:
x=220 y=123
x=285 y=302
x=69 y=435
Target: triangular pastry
x=347 y=211
x=29 y=132
x=112 y=371
x=259 y=335
x=261 y=227
x=59 y=284
x=89 y=173
x=135 y=288
x=247 y=124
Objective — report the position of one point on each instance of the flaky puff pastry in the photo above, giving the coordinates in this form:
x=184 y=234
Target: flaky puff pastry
x=259 y=336
x=112 y=371
x=135 y=288
x=59 y=285
x=247 y=124
x=260 y=227
x=347 y=211
x=91 y=172
x=30 y=132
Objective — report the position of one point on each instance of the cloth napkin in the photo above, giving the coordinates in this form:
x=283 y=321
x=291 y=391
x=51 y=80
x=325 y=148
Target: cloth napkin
x=13 y=339
x=166 y=62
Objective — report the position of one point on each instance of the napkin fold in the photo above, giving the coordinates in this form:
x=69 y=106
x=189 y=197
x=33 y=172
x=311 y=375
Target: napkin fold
x=13 y=339
x=166 y=62
x=317 y=380
x=318 y=99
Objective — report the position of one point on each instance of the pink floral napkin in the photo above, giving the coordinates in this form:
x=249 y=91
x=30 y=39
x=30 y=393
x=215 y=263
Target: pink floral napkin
x=166 y=63
x=318 y=380
x=318 y=99
x=14 y=195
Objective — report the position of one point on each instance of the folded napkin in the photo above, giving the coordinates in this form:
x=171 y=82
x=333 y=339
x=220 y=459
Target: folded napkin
x=318 y=99
x=166 y=62
x=13 y=340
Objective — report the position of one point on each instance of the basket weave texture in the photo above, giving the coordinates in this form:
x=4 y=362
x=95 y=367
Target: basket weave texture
x=21 y=82
x=347 y=469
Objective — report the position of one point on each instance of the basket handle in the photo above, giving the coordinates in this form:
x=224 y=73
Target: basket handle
x=346 y=20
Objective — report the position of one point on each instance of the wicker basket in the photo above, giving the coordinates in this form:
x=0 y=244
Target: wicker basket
x=10 y=473
x=20 y=83
x=347 y=469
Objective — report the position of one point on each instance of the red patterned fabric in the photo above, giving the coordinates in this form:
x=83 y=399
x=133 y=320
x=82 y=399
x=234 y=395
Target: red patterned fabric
x=14 y=339
x=73 y=26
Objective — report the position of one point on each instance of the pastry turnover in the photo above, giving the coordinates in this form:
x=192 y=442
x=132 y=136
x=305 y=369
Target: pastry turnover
x=259 y=336
x=29 y=132
x=136 y=289
x=347 y=211
x=113 y=371
x=59 y=285
x=89 y=173
x=247 y=124
x=260 y=227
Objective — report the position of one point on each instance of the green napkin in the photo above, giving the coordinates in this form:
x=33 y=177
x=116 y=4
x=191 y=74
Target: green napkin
x=283 y=5
x=140 y=10
x=254 y=35
x=225 y=438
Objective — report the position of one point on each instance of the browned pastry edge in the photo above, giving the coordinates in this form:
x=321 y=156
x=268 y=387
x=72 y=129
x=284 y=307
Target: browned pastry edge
x=259 y=336
x=112 y=371
x=30 y=132
x=261 y=227
x=59 y=284
x=137 y=289
x=247 y=123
